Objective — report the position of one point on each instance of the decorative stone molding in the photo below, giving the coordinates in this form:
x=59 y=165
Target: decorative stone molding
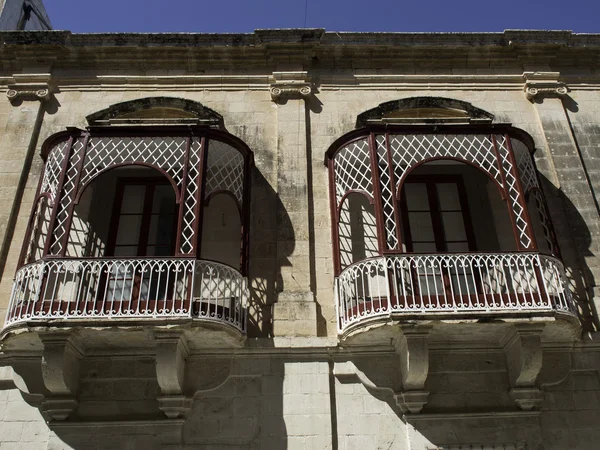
x=29 y=87
x=523 y=349
x=413 y=349
x=28 y=93
x=171 y=356
x=543 y=84
x=288 y=85
x=60 y=373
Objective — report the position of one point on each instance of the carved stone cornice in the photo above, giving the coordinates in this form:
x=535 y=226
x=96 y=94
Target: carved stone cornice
x=543 y=84
x=29 y=87
x=288 y=85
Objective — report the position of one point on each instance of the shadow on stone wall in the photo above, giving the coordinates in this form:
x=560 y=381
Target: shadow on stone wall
x=237 y=403
x=574 y=240
x=269 y=222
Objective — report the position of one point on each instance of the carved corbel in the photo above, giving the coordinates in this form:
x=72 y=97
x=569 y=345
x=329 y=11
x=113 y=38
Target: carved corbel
x=543 y=84
x=27 y=377
x=60 y=372
x=523 y=349
x=413 y=349
x=287 y=85
x=171 y=356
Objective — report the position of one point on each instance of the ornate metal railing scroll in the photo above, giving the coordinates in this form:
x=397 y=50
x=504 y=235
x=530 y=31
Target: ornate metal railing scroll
x=446 y=283
x=136 y=288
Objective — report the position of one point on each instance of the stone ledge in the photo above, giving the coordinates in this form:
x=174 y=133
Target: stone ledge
x=473 y=416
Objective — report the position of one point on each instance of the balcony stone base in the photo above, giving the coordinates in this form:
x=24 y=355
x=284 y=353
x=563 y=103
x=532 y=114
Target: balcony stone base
x=134 y=373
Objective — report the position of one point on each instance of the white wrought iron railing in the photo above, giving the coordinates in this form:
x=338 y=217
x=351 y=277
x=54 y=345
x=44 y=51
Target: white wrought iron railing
x=133 y=288
x=449 y=283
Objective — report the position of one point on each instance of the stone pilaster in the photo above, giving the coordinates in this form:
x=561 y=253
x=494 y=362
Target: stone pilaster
x=18 y=140
x=575 y=214
x=295 y=310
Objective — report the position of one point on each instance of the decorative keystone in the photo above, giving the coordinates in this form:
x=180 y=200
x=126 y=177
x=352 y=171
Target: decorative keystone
x=523 y=350
x=543 y=84
x=287 y=85
x=413 y=349
x=171 y=355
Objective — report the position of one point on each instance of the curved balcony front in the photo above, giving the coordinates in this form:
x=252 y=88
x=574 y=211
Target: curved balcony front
x=475 y=287
x=103 y=292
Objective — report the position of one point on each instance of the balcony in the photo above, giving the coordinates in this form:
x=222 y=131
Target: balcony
x=442 y=238
x=441 y=224
x=467 y=285
x=80 y=291
x=132 y=225
x=137 y=248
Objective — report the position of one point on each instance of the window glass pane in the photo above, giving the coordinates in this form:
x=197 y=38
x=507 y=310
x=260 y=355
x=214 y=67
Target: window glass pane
x=448 y=196
x=424 y=247
x=133 y=199
x=119 y=289
x=431 y=284
x=416 y=196
x=458 y=246
x=161 y=230
x=126 y=250
x=421 y=228
x=158 y=250
x=462 y=283
x=164 y=199
x=129 y=230
x=454 y=227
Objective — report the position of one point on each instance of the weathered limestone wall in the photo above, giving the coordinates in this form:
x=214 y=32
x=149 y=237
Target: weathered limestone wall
x=267 y=129
x=282 y=402
x=273 y=397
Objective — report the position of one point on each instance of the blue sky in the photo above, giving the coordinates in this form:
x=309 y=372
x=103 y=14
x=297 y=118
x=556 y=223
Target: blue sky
x=234 y=16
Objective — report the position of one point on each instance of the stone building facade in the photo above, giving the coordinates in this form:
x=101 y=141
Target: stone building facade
x=299 y=239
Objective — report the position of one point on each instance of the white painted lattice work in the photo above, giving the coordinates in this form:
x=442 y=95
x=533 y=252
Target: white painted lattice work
x=352 y=165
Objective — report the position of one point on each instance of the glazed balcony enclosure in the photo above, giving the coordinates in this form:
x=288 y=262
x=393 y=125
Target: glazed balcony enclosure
x=137 y=226
x=439 y=224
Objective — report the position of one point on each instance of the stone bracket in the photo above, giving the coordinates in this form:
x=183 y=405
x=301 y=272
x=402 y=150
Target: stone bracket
x=523 y=349
x=60 y=373
x=413 y=349
x=171 y=356
x=290 y=85
x=543 y=84
x=27 y=376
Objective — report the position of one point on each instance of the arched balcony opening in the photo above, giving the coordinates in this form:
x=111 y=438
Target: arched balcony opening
x=138 y=224
x=441 y=220
x=450 y=206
